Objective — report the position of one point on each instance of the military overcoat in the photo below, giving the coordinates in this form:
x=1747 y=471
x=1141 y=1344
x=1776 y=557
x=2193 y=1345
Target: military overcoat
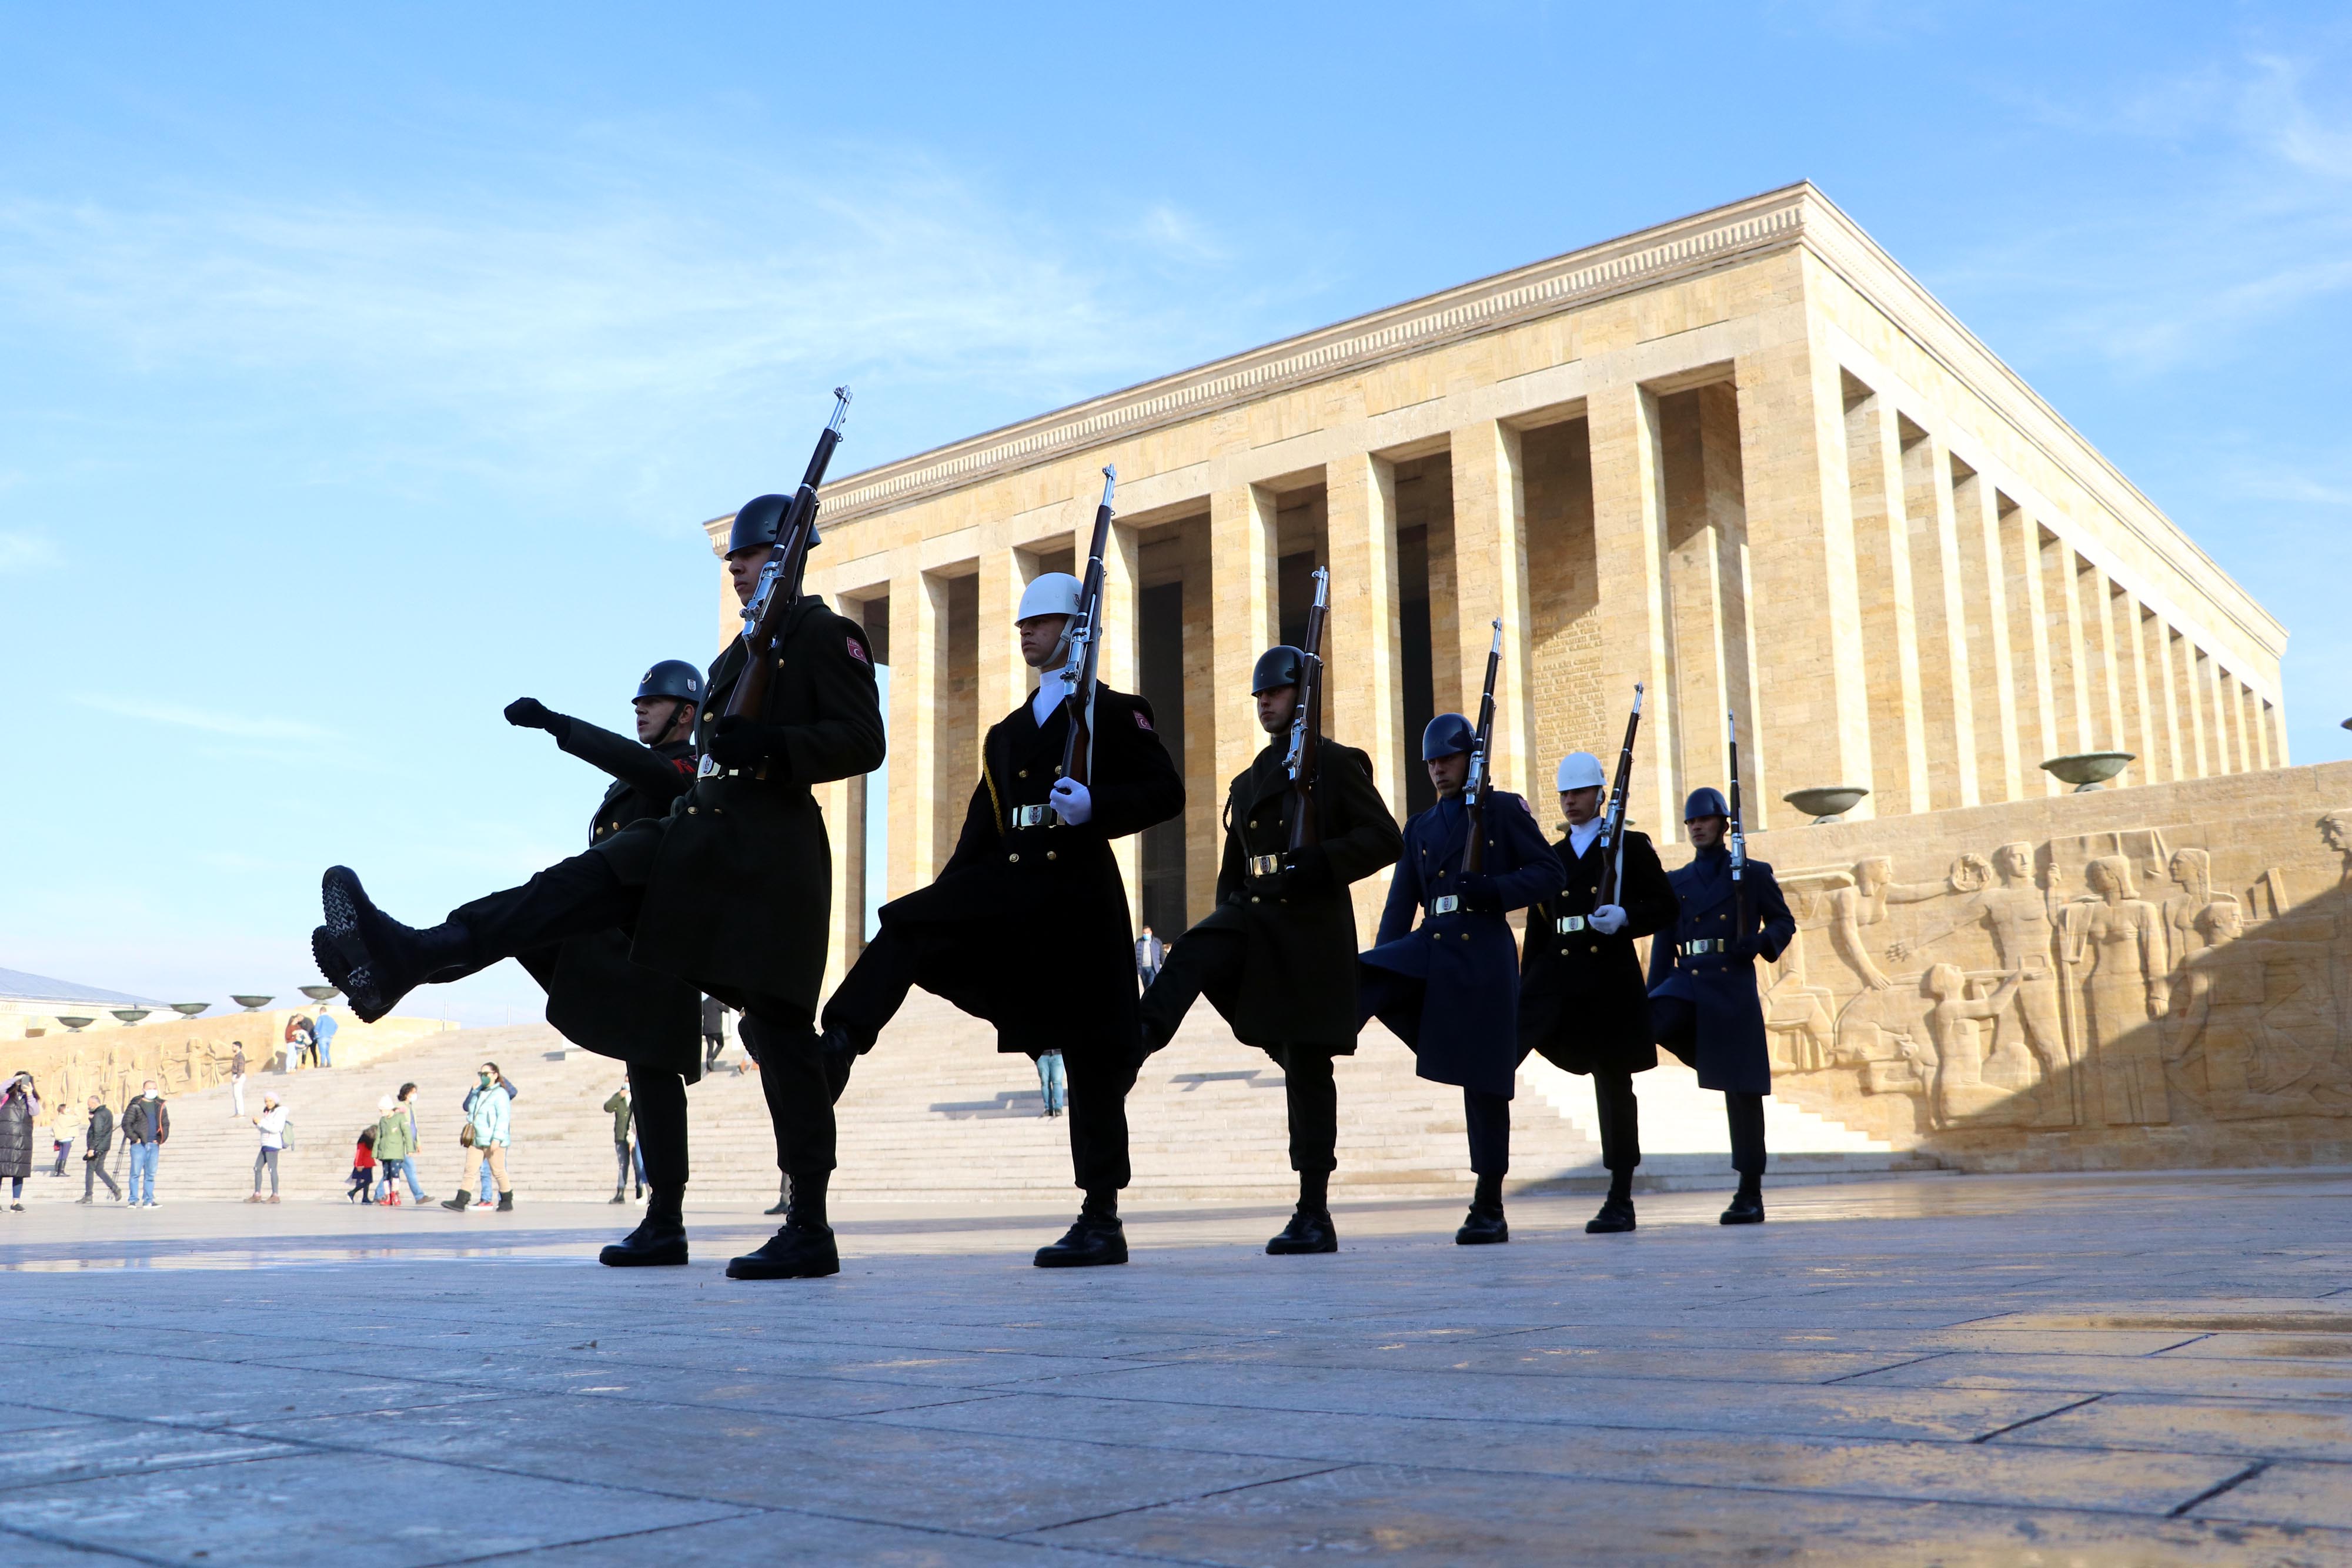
x=1730 y=1052
x=739 y=876
x=1297 y=982
x=596 y=997
x=1027 y=924
x=1582 y=1002
x=1450 y=986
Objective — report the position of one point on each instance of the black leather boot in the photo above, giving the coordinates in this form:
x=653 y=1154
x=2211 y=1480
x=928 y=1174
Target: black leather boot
x=1096 y=1240
x=1309 y=1232
x=783 y=1204
x=1617 y=1209
x=506 y=1201
x=1485 y=1225
x=462 y=1202
x=804 y=1248
x=1747 y=1204
x=658 y=1242
x=618 y=1196
x=370 y=957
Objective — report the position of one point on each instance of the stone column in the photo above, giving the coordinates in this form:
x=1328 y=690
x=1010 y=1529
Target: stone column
x=842 y=837
x=2108 y=671
x=1944 y=682
x=1244 y=617
x=2229 y=719
x=1889 y=613
x=916 y=617
x=2066 y=649
x=1490 y=582
x=1002 y=679
x=1812 y=716
x=1115 y=666
x=2036 y=693
x=2139 y=713
x=2192 y=696
x=2163 y=689
x=1629 y=542
x=1365 y=701
x=1976 y=509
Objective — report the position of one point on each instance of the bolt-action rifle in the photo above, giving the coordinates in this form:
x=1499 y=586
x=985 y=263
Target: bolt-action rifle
x=769 y=610
x=1474 y=785
x=1612 y=819
x=1078 y=675
x=1306 y=722
x=1739 y=841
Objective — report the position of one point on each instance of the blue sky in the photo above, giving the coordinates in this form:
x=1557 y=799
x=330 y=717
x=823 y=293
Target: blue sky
x=358 y=375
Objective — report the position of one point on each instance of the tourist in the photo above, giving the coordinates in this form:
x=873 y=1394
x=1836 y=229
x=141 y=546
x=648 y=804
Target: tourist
x=97 y=1141
x=714 y=1032
x=20 y=1107
x=237 y=1080
x=489 y=1119
x=146 y=1127
x=405 y=1102
x=618 y=1108
x=298 y=1038
x=363 y=1182
x=272 y=1123
x=392 y=1145
x=322 y=1036
x=1150 y=954
x=61 y=1139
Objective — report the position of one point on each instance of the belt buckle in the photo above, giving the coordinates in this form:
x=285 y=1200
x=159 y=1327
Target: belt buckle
x=1029 y=816
x=1265 y=865
x=708 y=768
x=1444 y=904
x=1703 y=946
x=1568 y=922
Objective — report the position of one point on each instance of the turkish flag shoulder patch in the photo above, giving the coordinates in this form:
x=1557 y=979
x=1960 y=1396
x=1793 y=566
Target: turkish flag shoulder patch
x=856 y=651
x=1141 y=722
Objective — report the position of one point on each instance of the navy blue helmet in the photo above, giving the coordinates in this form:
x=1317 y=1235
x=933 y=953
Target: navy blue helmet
x=1706 y=800
x=1280 y=665
x=1448 y=735
x=672 y=678
x=758 y=523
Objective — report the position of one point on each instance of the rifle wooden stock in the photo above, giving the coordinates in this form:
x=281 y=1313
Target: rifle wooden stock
x=765 y=617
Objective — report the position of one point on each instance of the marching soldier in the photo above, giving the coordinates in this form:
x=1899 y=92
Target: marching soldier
x=1582 y=999
x=1450 y=988
x=728 y=893
x=1277 y=955
x=1027 y=924
x=596 y=996
x=1704 y=1005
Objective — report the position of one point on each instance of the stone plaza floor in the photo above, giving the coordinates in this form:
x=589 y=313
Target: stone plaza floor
x=2013 y=1370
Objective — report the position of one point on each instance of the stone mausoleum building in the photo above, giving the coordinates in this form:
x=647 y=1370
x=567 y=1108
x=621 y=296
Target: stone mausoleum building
x=1743 y=458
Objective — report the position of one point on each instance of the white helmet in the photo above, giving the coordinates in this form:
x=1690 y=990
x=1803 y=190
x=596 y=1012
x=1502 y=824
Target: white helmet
x=1581 y=770
x=1050 y=593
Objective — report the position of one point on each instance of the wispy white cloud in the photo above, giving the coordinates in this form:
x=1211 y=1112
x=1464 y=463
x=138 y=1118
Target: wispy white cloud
x=207 y=721
x=22 y=551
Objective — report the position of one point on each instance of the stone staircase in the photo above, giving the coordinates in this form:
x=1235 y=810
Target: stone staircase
x=935 y=1115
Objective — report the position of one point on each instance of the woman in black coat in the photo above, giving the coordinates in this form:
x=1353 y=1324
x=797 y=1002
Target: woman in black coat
x=20 y=1107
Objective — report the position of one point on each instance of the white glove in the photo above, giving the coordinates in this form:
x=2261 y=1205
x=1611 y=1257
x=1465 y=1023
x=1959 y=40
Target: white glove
x=1073 y=803
x=1608 y=920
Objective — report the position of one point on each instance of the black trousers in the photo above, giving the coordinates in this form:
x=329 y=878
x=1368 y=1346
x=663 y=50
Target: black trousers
x=582 y=895
x=94 y=1171
x=1210 y=962
x=1489 y=1119
x=870 y=995
x=1675 y=1023
x=1621 y=1121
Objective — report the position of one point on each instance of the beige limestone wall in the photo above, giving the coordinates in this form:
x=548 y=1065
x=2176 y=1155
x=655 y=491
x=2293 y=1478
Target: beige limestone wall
x=2124 y=979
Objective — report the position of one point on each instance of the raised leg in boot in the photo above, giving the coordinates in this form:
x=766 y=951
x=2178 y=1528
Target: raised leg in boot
x=1747 y=1115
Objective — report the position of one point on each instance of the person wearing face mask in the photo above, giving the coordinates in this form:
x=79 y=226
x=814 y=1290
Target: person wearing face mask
x=489 y=1111
x=146 y=1123
x=1027 y=924
x=1582 y=1003
x=1276 y=956
x=596 y=996
x=1703 y=1004
x=730 y=892
x=1449 y=987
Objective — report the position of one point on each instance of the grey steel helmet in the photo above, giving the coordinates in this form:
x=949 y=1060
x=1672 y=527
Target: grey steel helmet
x=1280 y=665
x=672 y=678
x=757 y=522
x=1707 y=801
x=1448 y=735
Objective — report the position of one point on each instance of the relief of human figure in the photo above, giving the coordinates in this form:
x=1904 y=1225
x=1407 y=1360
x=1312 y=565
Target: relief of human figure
x=1960 y=1092
x=2335 y=831
x=2120 y=940
x=2220 y=1010
x=2017 y=913
x=2188 y=915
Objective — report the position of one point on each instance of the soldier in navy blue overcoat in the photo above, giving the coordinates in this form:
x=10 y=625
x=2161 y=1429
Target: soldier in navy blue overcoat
x=1450 y=986
x=1704 y=1005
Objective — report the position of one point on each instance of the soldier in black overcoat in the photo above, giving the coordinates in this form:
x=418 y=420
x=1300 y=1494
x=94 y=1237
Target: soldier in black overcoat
x=1704 y=1005
x=1450 y=986
x=728 y=893
x=1027 y=926
x=1277 y=955
x=1582 y=1001
x=596 y=997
